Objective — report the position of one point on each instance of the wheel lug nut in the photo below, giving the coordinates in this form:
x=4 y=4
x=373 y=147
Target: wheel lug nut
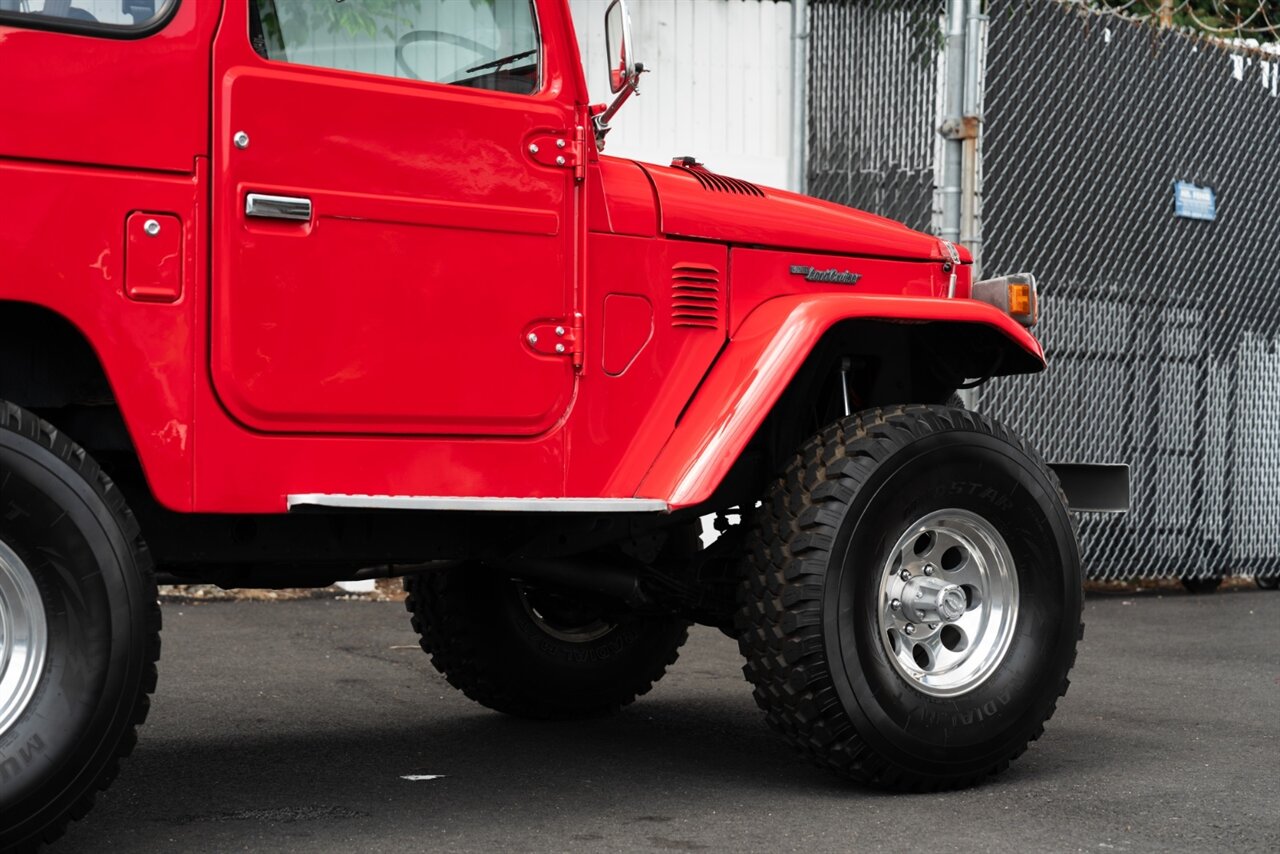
x=910 y=628
x=904 y=575
x=928 y=569
x=895 y=604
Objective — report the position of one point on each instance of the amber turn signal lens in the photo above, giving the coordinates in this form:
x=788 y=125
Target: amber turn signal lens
x=1014 y=294
x=1020 y=300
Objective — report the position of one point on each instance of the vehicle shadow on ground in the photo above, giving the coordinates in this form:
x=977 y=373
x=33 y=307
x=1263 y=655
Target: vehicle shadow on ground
x=655 y=747
x=657 y=758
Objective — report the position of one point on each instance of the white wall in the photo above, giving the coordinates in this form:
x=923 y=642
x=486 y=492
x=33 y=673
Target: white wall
x=719 y=88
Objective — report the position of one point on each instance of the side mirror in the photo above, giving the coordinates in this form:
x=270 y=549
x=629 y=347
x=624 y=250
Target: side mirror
x=617 y=30
x=624 y=71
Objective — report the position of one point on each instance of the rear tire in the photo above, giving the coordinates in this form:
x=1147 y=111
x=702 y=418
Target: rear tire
x=1201 y=586
x=537 y=652
x=956 y=502
x=80 y=654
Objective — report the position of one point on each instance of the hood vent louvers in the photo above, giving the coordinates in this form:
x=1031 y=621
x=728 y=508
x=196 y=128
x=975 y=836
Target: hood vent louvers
x=695 y=296
x=714 y=183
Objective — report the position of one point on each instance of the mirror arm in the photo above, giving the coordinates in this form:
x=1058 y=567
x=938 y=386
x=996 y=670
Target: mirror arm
x=601 y=121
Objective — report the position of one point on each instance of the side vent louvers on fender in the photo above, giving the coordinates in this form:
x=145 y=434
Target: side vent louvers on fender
x=695 y=296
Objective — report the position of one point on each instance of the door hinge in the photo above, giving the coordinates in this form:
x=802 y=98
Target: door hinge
x=556 y=338
x=560 y=151
x=580 y=168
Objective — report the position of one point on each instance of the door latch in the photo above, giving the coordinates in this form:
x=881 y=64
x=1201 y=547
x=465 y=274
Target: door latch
x=264 y=206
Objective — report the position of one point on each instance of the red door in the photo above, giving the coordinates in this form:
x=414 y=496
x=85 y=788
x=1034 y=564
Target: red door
x=383 y=246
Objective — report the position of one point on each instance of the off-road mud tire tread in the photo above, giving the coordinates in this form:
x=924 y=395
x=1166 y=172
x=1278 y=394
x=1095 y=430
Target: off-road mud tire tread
x=779 y=620
x=18 y=420
x=436 y=602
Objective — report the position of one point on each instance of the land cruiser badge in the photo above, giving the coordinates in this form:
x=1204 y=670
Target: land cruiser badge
x=832 y=276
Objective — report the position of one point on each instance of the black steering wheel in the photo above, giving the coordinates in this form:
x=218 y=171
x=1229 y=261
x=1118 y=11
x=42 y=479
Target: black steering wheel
x=415 y=36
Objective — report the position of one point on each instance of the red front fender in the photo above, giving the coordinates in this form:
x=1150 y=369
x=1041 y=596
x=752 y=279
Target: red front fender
x=761 y=359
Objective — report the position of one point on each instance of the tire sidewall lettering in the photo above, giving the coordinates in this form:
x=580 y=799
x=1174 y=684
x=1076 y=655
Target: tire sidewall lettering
x=70 y=544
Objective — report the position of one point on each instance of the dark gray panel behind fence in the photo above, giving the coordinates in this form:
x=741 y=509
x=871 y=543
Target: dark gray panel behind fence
x=1162 y=332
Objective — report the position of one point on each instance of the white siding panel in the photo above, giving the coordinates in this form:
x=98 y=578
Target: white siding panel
x=719 y=87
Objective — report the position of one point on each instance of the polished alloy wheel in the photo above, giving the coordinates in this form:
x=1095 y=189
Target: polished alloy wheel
x=948 y=602
x=23 y=637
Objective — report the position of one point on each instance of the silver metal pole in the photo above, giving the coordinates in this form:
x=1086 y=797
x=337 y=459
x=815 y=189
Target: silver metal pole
x=960 y=186
x=799 y=94
x=971 y=208
x=959 y=190
x=951 y=187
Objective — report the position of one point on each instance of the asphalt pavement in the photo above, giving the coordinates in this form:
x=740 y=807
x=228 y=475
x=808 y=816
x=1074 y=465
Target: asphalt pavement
x=292 y=726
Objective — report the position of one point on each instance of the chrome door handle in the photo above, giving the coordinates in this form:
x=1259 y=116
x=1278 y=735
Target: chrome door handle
x=264 y=206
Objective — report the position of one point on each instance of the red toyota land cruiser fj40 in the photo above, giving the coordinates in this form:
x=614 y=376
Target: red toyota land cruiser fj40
x=290 y=289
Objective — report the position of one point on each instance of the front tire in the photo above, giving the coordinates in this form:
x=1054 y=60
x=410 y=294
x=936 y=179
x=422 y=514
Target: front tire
x=80 y=630
x=912 y=599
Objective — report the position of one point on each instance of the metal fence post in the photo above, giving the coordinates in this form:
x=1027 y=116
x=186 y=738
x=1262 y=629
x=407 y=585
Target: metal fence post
x=799 y=94
x=960 y=169
x=959 y=185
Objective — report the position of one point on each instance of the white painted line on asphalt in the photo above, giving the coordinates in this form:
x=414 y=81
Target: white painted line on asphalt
x=413 y=778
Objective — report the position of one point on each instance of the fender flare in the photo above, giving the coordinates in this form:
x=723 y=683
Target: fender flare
x=764 y=355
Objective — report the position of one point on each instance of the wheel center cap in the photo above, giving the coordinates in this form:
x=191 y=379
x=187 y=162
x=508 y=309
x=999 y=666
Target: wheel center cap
x=952 y=603
x=931 y=600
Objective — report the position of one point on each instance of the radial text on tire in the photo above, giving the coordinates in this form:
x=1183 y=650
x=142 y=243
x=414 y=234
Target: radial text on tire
x=80 y=627
x=912 y=598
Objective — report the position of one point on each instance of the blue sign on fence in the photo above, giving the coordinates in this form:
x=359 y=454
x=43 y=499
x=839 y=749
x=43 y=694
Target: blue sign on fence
x=1194 y=202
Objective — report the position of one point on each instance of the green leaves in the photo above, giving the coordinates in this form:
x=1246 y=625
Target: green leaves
x=1255 y=19
x=355 y=17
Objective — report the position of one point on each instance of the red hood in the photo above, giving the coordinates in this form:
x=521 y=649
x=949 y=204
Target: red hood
x=711 y=207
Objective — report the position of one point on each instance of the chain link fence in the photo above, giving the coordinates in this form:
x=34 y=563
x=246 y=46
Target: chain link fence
x=1162 y=331
x=873 y=92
